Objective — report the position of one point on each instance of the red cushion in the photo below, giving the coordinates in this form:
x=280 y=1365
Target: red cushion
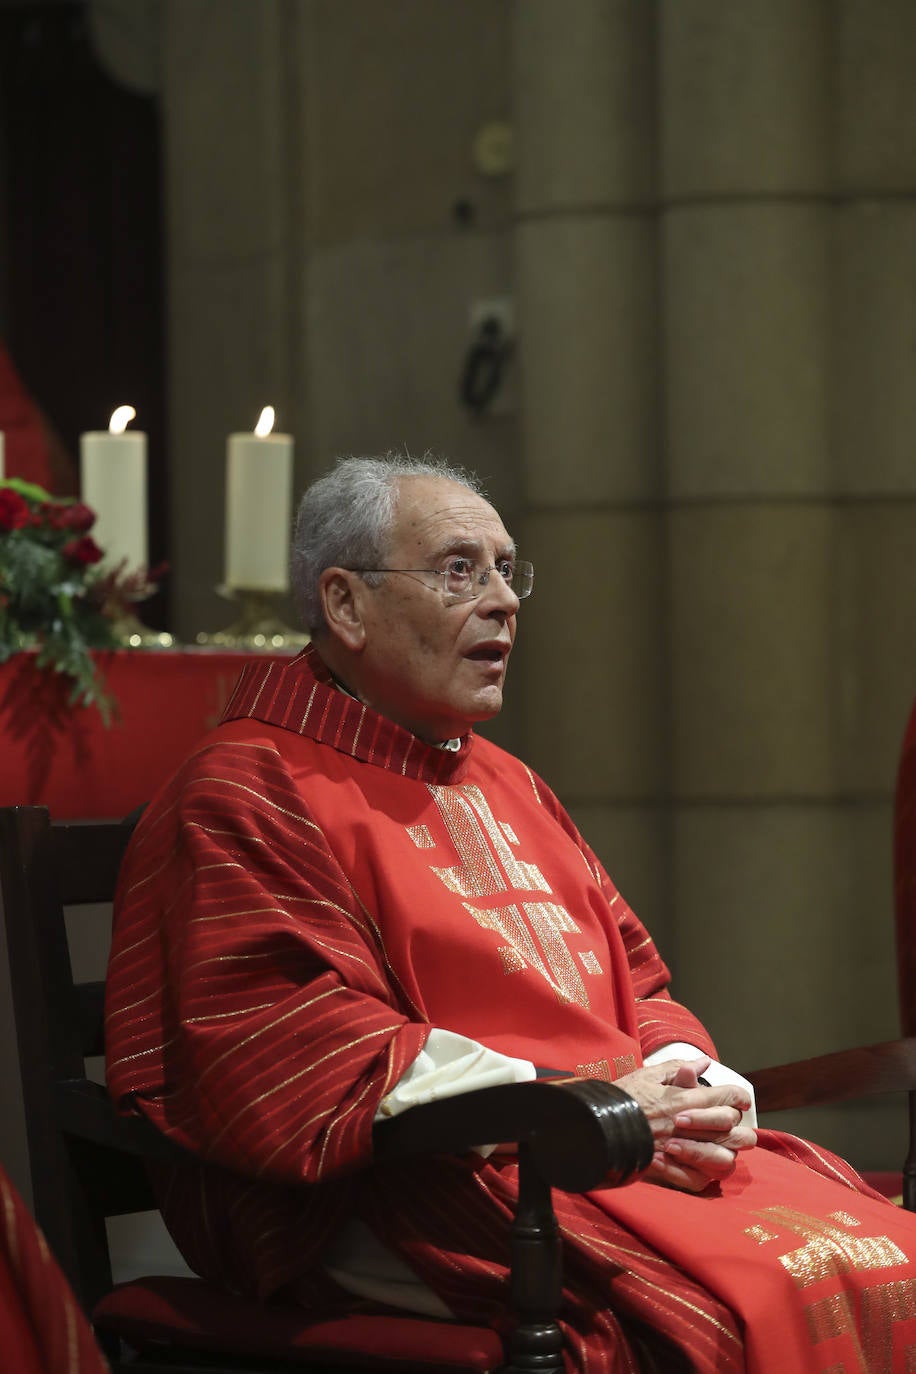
x=190 y=1312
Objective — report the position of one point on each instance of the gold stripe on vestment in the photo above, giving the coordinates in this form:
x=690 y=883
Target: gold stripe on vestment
x=268 y=677
x=308 y=707
x=338 y=1121
x=609 y=1248
x=294 y=1078
x=533 y=784
x=224 y=1015
x=362 y=717
x=262 y=797
x=132 y=1006
x=297 y=1010
x=143 y=1054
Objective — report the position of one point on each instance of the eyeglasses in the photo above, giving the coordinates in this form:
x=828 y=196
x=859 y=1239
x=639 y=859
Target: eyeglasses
x=463 y=580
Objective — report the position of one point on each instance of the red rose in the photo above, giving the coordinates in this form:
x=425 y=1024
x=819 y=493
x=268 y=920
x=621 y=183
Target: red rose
x=84 y=551
x=14 y=510
x=75 y=516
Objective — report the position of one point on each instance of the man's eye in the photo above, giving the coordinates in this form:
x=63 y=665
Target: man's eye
x=459 y=567
x=506 y=569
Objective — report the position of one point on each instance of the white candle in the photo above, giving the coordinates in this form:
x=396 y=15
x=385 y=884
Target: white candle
x=259 y=495
x=113 y=483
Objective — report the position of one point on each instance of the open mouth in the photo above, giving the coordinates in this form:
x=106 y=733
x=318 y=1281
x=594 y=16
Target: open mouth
x=488 y=653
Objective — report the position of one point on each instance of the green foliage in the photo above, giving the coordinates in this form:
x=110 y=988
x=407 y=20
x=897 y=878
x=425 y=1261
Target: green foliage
x=52 y=598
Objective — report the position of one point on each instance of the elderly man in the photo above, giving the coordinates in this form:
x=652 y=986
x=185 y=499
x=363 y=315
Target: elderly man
x=346 y=902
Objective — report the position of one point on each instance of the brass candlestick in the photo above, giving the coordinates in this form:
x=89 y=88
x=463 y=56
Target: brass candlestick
x=257 y=627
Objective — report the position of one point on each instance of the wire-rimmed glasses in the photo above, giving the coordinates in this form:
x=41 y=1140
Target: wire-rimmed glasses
x=461 y=579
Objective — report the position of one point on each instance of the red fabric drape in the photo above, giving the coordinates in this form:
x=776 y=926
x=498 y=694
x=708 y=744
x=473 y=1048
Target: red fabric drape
x=42 y=1330
x=25 y=443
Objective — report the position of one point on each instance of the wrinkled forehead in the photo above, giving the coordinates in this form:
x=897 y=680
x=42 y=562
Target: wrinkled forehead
x=434 y=515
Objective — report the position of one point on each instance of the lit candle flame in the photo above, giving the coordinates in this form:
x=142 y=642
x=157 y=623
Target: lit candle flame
x=120 y=418
x=265 y=423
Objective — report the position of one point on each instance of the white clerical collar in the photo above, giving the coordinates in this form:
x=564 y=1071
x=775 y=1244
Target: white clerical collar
x=453 y=745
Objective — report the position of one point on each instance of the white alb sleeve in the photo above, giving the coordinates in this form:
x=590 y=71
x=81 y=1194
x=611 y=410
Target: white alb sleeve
x=448 y=1064
x=716 y=1073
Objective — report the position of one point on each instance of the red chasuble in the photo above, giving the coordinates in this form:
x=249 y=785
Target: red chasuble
x=312 y=892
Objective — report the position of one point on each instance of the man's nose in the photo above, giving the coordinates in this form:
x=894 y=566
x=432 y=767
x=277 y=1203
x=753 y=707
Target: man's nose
x=497 y=596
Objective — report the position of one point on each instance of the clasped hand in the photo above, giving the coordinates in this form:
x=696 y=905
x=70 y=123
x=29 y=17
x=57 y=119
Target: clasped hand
x=698 y=1131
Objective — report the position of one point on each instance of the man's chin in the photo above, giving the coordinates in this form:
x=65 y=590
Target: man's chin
x=488 y=704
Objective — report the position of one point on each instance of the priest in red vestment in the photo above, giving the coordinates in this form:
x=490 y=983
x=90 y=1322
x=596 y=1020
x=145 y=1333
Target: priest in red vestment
x=346 y=902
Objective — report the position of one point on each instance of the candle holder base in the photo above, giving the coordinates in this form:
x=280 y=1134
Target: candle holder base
x=131 y=633
x=258 y=626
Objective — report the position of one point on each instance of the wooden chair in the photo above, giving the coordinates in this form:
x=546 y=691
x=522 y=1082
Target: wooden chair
x=87 y=1162
x=890 y=1066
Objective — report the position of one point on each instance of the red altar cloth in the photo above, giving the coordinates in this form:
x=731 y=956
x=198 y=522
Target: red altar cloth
x=69 y=761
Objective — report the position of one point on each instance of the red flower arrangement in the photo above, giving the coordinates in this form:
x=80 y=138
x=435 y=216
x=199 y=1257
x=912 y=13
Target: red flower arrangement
x=14 y=511
x=53 y=597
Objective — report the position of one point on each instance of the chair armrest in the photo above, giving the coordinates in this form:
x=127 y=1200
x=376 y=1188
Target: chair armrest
x=581 y=1132
x=861 y=1072
x=85 y=1110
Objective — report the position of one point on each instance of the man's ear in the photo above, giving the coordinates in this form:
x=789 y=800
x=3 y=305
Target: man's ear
x=342 y=603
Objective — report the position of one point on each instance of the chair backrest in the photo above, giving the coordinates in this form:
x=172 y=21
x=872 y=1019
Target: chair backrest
x=59 y=1023
x=905 y=877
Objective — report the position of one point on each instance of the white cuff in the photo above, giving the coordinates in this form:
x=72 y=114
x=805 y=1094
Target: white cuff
x=449 y=1064
x=715 y=1075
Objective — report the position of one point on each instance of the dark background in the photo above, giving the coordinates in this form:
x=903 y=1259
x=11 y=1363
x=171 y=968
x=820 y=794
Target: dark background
x=81 y=241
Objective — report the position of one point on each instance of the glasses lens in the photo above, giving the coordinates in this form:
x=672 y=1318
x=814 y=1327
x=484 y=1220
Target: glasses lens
x=460 y=579
x=522 y=579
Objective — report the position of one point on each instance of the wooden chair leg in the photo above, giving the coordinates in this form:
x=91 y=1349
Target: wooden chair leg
x=909 y=1168
x=536 y=1345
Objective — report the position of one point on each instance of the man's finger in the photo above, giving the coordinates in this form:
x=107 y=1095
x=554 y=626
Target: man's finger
x=680 y=1176
x=715 y=1161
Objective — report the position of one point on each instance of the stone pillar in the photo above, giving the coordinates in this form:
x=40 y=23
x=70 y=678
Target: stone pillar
x=872 y=428
x=873 y=413
x=591 y=636
x=232 y=309
x=786 y=363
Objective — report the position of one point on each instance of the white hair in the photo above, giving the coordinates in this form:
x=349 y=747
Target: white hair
x=344 y=520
